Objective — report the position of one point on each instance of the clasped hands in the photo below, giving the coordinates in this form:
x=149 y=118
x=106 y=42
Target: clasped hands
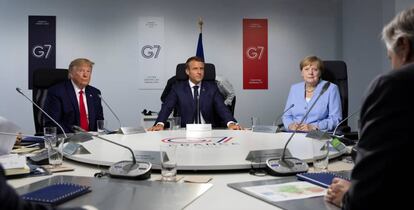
x=302 y=127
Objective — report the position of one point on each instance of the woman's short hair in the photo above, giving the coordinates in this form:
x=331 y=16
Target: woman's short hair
x=312 y=59
x=80 y=62
x=401 y=26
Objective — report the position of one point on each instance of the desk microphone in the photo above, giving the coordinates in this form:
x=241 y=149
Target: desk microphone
x=43 y=111
x=291 y=165
x=342 y=121
x=277 y=119
x=113 y=113
x=271 y=128
x=198 y=109
x=124 y=169
x=122 y=130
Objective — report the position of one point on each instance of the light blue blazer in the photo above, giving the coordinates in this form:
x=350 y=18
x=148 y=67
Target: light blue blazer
x=326 y=113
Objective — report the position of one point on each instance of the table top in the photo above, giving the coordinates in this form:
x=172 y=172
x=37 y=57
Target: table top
x=219 y=196
x=206 y=150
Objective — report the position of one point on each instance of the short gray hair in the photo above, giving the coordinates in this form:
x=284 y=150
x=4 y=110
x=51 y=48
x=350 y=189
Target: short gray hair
x=401 y=26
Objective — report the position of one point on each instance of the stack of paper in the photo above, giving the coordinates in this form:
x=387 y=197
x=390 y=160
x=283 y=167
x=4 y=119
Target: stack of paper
x=14 y=164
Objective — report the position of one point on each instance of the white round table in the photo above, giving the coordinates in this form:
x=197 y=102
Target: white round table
x=205 y=150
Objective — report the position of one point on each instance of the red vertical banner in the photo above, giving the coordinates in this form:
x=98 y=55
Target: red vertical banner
x=255 y=65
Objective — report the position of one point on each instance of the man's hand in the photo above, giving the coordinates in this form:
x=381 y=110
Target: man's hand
x=234 y=126
x=158 y=127
x=336 y=191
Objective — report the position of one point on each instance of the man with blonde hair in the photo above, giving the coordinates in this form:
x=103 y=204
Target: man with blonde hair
x=74 y=101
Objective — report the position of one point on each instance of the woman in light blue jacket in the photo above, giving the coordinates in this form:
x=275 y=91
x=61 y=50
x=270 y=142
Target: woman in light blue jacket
x=326 y=113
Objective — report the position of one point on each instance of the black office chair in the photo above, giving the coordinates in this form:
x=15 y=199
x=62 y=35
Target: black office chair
x=336 y=72
x=42 y=80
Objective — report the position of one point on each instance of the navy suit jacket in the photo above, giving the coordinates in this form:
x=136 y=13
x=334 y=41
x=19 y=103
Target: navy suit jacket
x=62 y=105
x=181 y=96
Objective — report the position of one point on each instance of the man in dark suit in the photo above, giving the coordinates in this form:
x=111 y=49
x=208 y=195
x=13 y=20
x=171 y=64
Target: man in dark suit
x=379 y=179
x=74 y=101
x=184 y=94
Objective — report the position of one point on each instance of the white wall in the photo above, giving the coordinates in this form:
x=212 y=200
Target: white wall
x=403 y=4
x=106 y=32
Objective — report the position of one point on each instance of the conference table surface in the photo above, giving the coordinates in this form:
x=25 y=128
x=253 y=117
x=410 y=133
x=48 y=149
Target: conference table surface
x=204 y=150
x=219 y=196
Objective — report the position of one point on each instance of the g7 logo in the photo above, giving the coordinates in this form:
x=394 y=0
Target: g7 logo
x=147 y=51
x=255 y=52
x=40 y=51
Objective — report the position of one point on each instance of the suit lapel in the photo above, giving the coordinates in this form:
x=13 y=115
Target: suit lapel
x=203 y=94
x=91 y=108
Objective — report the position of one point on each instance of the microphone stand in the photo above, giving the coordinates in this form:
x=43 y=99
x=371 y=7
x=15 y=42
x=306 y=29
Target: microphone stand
x=124 y=169
x=292 y=165
x=43 y=111
x=198 y=110
x=122 y=130
x=270 y=128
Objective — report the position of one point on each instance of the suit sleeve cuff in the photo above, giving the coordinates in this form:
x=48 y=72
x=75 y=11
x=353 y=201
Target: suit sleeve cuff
x=232 y=122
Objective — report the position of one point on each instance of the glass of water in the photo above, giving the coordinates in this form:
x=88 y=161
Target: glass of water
x=168 y=162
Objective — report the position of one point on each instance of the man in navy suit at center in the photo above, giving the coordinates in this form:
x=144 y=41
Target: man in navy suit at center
x=74 y=101
x=183 y=94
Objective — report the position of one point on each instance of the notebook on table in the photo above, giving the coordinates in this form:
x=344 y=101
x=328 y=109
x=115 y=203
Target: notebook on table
x=323 y=179
x=56 y=193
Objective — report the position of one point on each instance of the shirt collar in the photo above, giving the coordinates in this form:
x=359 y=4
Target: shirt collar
x=192 y=84
x=76 y=88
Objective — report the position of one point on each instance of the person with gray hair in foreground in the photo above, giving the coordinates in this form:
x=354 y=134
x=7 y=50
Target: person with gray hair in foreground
x=379 y=179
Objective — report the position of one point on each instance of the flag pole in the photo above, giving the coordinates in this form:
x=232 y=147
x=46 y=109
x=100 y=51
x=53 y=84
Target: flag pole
x=200 y=24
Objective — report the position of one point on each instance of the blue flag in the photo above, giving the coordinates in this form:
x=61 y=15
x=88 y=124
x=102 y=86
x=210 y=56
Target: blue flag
x=200 y=51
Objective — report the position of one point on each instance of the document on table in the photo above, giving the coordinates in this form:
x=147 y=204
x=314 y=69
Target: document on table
x=286 y=191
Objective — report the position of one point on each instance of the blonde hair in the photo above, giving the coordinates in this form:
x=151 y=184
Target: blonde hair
x=80 y=62
x=401 y=26
x=311 y=59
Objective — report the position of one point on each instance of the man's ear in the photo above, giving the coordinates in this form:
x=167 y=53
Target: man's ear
x=404 y=49
x=187 y=71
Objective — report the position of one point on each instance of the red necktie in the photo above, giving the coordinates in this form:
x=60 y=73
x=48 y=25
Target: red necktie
x=82 y=111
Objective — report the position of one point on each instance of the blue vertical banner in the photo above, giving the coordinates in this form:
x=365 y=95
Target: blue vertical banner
x=200 y=50
x=42 y=44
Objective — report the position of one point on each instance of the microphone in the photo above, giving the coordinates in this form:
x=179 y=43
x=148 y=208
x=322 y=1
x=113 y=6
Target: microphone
x=43 y=111
x=122 y=130
x=290 y=166
x=281 y=115
x=113 y=113
x=124 y=169
x=271 y=128
x=346 y=118
x=198 y=110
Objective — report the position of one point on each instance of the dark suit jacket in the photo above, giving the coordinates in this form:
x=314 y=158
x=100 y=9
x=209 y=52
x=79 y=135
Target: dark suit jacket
x=62 y=105
x=384 y=151
x=9 y=199
x=211 y=102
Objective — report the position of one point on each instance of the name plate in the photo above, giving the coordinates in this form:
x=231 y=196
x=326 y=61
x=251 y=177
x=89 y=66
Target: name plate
x=198 y=127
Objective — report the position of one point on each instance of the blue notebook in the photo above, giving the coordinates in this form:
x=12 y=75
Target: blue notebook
x=56 y=193
x=323 y=179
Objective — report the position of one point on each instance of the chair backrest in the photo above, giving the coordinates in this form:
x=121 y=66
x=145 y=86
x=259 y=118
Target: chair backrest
x=42 y=80
x=336 y=72
x=209 y=72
